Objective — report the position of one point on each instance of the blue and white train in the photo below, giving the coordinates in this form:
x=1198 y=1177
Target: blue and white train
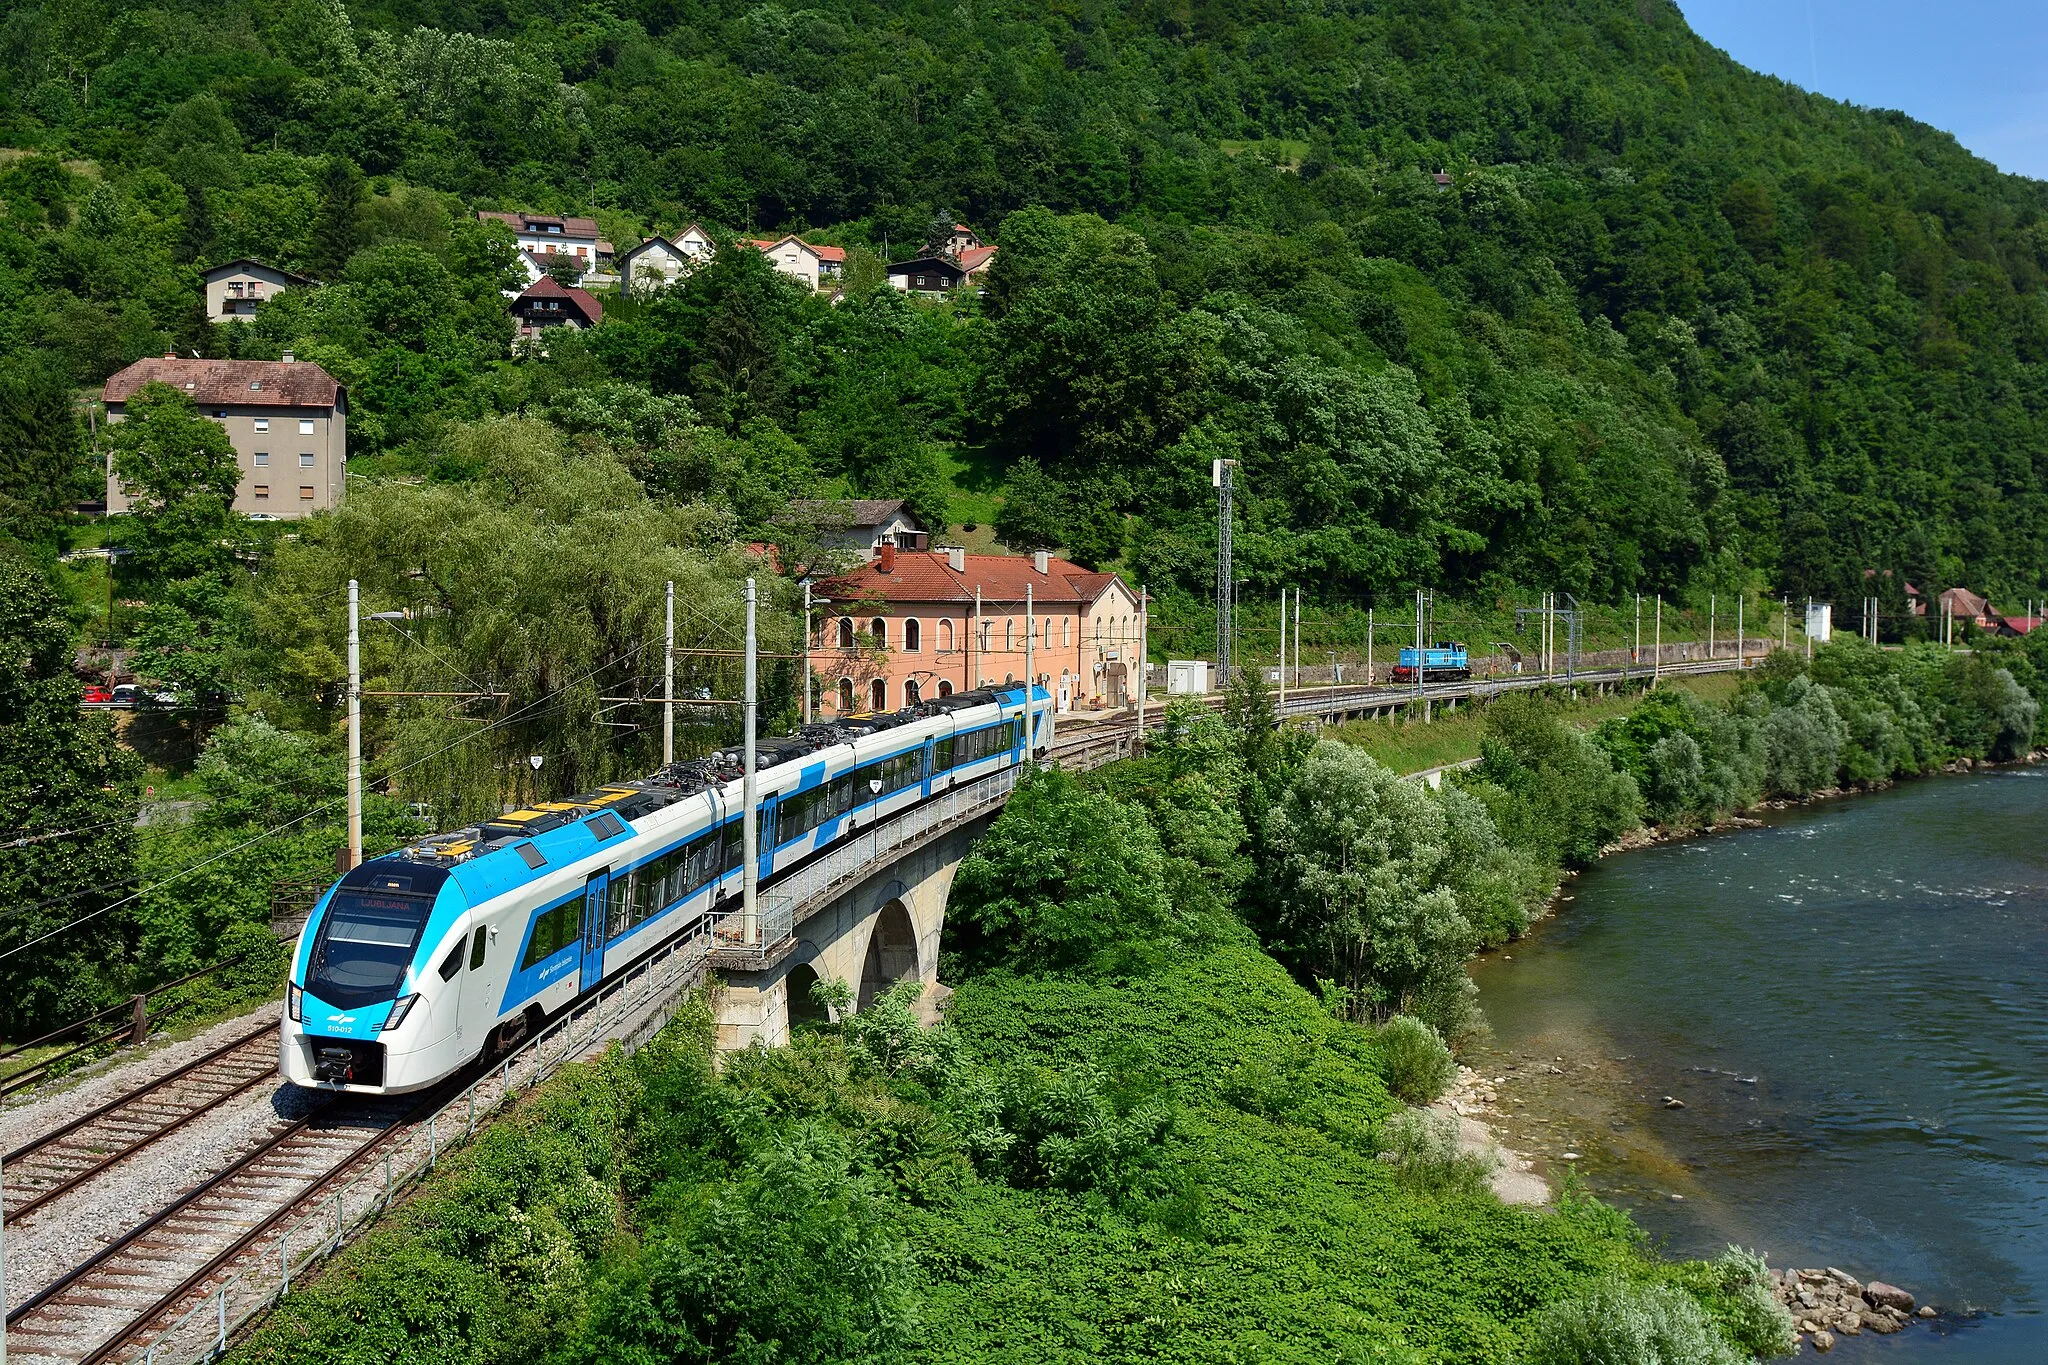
x=415 y=963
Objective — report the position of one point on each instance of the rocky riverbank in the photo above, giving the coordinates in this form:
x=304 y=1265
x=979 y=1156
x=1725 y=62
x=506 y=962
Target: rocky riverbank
x=1829 y=1304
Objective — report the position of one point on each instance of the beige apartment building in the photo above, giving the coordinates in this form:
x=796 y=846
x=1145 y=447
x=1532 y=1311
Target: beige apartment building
x=287 y=421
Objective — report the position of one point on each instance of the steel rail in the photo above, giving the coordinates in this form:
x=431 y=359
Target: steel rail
x=115 y=1157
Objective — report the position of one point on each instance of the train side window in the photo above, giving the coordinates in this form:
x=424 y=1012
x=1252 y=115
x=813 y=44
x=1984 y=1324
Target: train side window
x=452 y=963
x=477 y=945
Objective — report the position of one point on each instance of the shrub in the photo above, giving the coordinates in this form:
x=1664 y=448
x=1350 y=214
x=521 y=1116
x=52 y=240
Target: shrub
x=1621 y=1323
x=1413 y=1058
x=1759 y=1323
x=1424 y=1150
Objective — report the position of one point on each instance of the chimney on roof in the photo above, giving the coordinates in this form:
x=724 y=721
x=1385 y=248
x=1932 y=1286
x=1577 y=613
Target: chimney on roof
x=885 y=557
x=956 y=558
x=288 y=357
x=1041 y=560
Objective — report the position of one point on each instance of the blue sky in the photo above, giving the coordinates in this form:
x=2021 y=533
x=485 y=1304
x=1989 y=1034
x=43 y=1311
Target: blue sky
x=1977 y=68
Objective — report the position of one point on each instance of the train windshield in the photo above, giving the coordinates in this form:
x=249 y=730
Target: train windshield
x=365 y=944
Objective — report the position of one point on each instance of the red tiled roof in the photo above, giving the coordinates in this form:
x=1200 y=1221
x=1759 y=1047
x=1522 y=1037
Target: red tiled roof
x=926 y=576
x=546 y=288
x=277 y=383
x=975 y=257
x=830 y=253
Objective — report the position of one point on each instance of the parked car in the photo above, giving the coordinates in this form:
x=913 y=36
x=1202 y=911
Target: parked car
x=127 y=694
x=95 y=695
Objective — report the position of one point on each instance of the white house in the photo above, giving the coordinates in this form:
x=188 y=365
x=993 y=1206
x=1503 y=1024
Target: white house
x=816 y=266
x=663 y=260
x=547 y=235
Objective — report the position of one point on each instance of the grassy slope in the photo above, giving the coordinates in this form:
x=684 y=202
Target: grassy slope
x=1411 y=746
x=1291 y=1244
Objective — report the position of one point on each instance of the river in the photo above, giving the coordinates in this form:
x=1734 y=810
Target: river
x=1851 y=1005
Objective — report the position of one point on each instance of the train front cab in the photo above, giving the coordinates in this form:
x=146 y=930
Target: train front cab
x=359 y=1014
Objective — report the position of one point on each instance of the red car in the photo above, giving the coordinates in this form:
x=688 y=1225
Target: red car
x=95 y=695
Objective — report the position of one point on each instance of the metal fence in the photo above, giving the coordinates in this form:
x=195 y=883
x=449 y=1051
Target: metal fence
x=376 y=1177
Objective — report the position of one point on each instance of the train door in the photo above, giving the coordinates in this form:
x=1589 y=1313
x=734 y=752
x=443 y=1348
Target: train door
x=930 y=772
x=767 y=828
x=593 y=927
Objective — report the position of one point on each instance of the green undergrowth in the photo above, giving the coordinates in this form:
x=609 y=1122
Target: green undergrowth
x=1409 y=746
x=1179 y=1164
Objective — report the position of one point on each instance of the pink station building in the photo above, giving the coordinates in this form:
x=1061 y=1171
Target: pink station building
x=913 y=624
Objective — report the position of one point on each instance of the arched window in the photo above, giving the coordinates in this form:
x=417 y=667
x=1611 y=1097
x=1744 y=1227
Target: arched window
x=910 y=692
x=1048 y=632
x=1009 y=635
x=878 y=695
x=880 y=630
x=913 y=635
x=984 y=636
x=845 y=706
x=945 y=688
x=1066 y=630
x=846 y=632
x=945 y=637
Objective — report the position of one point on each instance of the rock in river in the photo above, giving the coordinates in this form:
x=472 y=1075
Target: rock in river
x=1878 y=1294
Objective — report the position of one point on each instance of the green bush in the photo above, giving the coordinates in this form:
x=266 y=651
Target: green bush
x=1759 y=1323
x=1622 y=1323
x=1424 y=1150
x=1413 y=1058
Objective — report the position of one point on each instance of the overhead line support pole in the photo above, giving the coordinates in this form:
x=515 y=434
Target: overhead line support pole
x=750 y=834
x=355 y=727
x=668 y=680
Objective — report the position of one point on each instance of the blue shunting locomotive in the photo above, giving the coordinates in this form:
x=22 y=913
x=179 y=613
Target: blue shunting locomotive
x=1444 y=661
x=416 y=962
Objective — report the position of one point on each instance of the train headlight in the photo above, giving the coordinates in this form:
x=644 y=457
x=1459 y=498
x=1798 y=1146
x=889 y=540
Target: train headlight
x=294 y=1003
x=400 y=1007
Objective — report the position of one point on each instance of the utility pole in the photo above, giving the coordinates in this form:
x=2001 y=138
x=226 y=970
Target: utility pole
x=1368 y=647
x=1221 y=473
x=750 y=833
x=1741 y=659
x=1657 y=646
x=1806 y=629
x=1635 y=653
x=1711 y=602
x=1784 y=622
x=1297 y=639
x=355 y=729
x=807 y=643
x=974 y=644
x=1030 y=676
x=1144 y=671
x=668 y=673
x=1281 y=708
x=1418 y=642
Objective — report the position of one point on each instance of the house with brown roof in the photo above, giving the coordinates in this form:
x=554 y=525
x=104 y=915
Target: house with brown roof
x=861 y=525
x=237 y=288
x=287 y=420
x=547 y=234
x=548 y=304
x=916 y=624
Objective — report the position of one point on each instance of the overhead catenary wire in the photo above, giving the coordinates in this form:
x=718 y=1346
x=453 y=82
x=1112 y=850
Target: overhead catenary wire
x=275 y=830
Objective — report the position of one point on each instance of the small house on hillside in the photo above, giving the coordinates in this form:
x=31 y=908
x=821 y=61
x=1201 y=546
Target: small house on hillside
x=928 y=274
x=863 y=525
x=662 y=260
x=238 y=288
x=548 y=304
x=548 y=235
x=816 y=266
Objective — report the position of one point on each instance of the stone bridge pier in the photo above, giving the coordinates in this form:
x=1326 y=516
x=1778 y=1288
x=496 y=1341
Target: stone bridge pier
x=881 y=930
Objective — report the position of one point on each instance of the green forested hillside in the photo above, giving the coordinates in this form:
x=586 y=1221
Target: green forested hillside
x=1669 y=321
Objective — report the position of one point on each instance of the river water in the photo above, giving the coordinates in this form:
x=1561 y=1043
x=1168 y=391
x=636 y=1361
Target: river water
x=1851 y=1004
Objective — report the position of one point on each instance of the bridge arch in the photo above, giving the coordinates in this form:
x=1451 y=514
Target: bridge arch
x=891 y=954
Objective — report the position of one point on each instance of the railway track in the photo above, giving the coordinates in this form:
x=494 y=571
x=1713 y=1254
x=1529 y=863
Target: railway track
x=51 y=1165
x=97 y=1310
